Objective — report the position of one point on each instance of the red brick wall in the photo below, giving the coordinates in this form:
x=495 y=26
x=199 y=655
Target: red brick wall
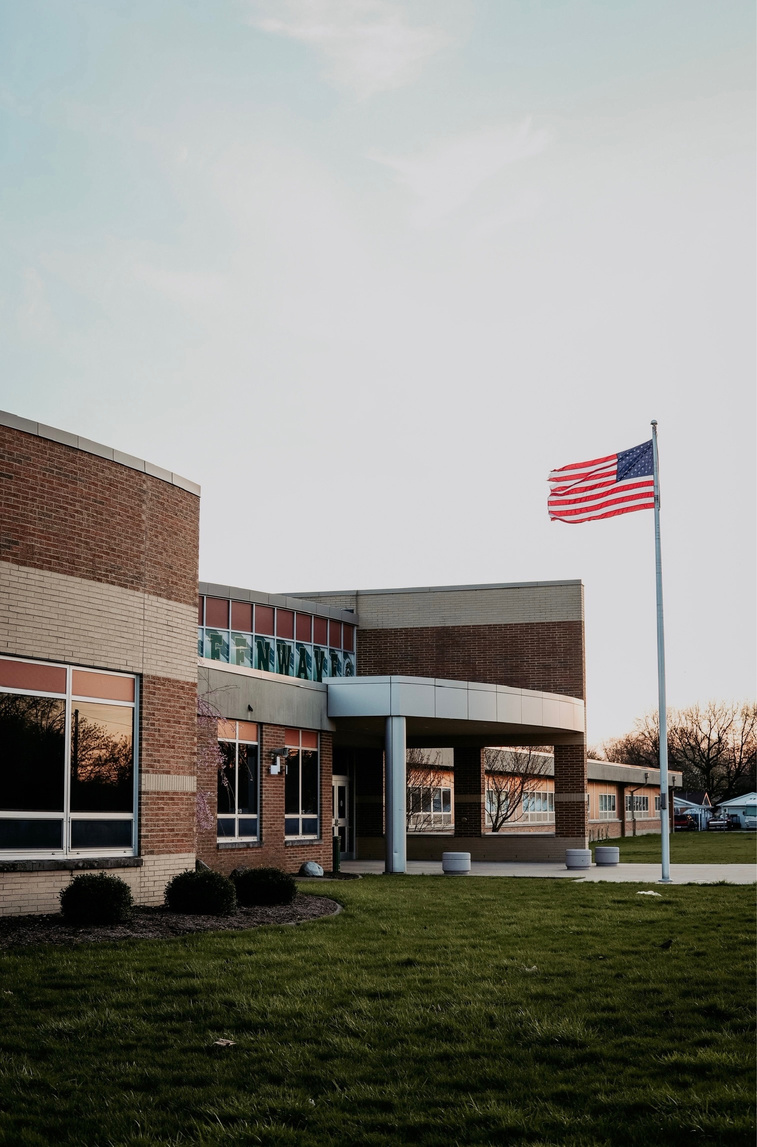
x=69 y=512
x=168 y=744
x=272 y=848
x=547 y=656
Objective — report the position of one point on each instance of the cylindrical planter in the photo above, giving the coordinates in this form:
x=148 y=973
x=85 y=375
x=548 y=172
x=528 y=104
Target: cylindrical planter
x=578 y=858
x=607 y=855
x=456 y=863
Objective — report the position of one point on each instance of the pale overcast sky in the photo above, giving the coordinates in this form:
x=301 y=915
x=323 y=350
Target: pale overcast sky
x=369 y=269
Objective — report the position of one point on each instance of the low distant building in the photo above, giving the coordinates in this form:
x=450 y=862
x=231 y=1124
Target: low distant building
x=622 y=800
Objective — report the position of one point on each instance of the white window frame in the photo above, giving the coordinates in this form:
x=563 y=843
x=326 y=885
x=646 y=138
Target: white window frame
x=66 y=815
x=301 y=815
x=236 y=816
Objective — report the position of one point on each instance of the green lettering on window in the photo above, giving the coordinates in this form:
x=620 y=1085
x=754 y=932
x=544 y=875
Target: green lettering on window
x=319 y=659
x=284 y=656
x=303 y=663
x=263 y=654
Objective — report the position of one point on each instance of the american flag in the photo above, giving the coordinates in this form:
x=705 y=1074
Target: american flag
x=617 y=484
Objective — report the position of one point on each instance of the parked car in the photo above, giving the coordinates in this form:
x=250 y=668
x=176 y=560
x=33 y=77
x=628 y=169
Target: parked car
x=718 y=824
x=684 y=822
x=750 y=822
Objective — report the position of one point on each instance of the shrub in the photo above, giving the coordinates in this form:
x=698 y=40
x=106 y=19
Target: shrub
x=204 y=893
x=99 y=899
x=264 y=886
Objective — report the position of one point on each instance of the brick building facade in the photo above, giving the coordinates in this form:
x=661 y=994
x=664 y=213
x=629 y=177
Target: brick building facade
x=307 y=702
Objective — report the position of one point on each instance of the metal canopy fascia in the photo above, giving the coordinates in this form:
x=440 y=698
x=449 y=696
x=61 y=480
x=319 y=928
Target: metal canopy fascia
x=449 y=713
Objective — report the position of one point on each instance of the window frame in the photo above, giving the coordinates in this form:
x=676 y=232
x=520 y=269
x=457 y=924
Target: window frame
x=67 y=816
x=236 y=816
x=301 y=816
x=609 y=812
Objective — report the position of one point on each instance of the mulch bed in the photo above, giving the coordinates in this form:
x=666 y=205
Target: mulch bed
x=158 y=923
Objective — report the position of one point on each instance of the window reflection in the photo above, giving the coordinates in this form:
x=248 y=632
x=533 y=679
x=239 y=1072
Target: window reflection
x=32 y=761
x=102 y=763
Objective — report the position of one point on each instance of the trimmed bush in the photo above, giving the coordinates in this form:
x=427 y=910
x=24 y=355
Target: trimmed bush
x=257 y=886
x=96 y=899
x=204 y=893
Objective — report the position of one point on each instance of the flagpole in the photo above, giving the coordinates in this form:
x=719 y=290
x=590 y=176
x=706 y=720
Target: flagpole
x=662 y=705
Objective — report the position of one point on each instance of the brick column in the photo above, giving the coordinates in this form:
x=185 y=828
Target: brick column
x=470 y=790
x=571 y=812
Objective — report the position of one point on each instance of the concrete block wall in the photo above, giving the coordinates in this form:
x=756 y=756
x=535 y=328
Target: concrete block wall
x=32 y=893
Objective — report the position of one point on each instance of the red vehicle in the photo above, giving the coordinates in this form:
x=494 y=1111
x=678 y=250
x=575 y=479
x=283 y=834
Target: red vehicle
x=684 y=822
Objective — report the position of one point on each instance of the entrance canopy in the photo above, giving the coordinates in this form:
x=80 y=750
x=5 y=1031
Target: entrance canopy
x=451 y=713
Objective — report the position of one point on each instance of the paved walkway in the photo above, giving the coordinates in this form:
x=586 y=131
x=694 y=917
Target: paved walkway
x=637 y=873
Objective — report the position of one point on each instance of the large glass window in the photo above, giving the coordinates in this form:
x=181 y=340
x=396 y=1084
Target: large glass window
x=275 y=640
x=238 y=781
x=301 y=805
x=67 y=760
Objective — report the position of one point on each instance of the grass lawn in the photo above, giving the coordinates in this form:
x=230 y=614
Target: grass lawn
x=690 y=848
x=432 y=1011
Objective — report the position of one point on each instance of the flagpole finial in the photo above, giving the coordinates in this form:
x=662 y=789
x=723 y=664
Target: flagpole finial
x=654 y=421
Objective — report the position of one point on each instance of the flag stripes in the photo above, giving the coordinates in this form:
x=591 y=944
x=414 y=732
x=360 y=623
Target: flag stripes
x=603 y=487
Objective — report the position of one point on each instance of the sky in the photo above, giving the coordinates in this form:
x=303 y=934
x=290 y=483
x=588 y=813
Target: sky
x=367 y=270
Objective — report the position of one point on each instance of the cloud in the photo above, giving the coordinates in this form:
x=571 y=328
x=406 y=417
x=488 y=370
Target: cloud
x=445 y=176
x=366 y=46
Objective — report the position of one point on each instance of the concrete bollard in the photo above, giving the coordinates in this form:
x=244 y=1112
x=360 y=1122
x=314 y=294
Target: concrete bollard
x=456 y=863
x=578 y=858
x=606 y=855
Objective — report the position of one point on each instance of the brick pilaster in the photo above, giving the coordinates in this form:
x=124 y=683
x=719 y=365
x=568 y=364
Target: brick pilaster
x=571 y=811
x=470 y=792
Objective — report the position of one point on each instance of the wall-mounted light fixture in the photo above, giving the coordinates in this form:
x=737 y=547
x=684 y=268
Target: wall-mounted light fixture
x=277 y=758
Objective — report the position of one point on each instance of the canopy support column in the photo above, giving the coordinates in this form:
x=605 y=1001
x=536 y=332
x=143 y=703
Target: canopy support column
x=396 y=794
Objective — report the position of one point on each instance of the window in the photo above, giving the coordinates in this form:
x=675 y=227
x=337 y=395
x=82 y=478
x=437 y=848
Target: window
x=607 y=806
x=636 y=803
x=238 y=781
x=68 y=771
x=657 y=804
x=275 y=640
x=428 y=807
x=301 y=783
x=537 y=807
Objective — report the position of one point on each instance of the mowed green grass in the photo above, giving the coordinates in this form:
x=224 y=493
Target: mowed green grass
x=689 y=848
x=431 y=1011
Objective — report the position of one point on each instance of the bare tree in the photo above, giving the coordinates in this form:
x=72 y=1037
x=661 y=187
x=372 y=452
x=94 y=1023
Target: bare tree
x=424 y=774
x=713 y=745
x=510 y=775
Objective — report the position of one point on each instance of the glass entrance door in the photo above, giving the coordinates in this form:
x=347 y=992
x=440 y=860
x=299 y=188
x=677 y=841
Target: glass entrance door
x=341 y=819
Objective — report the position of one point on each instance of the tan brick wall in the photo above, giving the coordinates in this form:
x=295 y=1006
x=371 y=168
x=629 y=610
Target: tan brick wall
x=32 y=893
x=58 y=617
x=436 y=606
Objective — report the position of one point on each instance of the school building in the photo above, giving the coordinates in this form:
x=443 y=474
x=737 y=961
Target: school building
x=148 y=721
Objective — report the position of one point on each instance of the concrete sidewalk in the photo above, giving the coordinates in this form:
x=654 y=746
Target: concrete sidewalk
x=635 y=873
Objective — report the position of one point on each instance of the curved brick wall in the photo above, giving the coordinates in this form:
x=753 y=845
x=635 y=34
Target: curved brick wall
x=98 y=567
x=72 y=512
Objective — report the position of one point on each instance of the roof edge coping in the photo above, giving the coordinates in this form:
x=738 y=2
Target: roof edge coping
x=86 y=446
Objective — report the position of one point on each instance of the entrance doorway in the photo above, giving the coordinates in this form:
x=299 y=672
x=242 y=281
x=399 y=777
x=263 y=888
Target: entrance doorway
x=340 y=815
